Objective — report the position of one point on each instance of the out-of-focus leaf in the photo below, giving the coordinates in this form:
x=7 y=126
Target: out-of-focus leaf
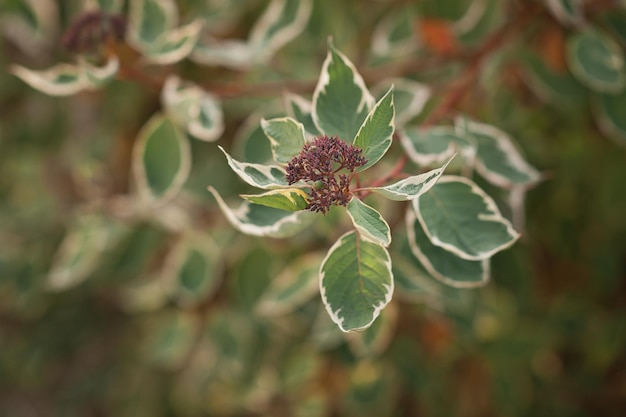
x=31 y=24
x=429 y=146
x=356 y=282
x=409 y=99
x=161 y=159
x=170 y=336
x=257 y=220
x=194 y=108
x=394 y=35
x=375 y=134
x=148 y=20
x=569 y=12
x=597 y=61
x=442 y=264
x=369 y=222
x=341 y=100
x=301 y=110
x=110 y=6
x=174 y=45
x=610 y=114
x=373 y=341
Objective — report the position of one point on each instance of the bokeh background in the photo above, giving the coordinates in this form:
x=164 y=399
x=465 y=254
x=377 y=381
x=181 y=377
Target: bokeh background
x=547 y=335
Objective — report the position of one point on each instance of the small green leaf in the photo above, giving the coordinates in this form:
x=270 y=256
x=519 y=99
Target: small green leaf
x=98 y=76
x=374 y=136
x=161 y=159
x=394 y=36
x=597 y=61
x=174 y=45
x=341 y=100
x=412 y=187
x=432 y=145
x=497 y=158
x=441 y=264
x=610 y=114
x=301 y=109
x=292 y=288
x=369 y=222
x=231 y=53
x=290 y=199
x=461 y=218
x=198 y=111
x=258 y=220
x=148 y=20
x=60 y=80
x=409 y=99
x=267 y=177
x=356 y=282
x=286 y=137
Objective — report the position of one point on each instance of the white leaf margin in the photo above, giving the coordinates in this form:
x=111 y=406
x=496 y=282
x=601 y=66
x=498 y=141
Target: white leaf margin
x=334 y=315
x=239 y=169
x=356 y=204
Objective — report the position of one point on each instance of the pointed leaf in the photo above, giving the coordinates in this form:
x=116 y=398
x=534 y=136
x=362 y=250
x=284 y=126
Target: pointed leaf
x=597 y=61
x=148 y=20
x=341 y=100
x=190 y=270
x=161 y=159
x=497 y=158
x=460 y=217
x=290 y=199
x=373 y=341
x=441 y=264
x=409 y=98
x=412 y=187
x=282 y=21
x=98 y=76
x=266 y=177
x=374 y=136
x=286 y=137
x=301 y=110
x=369 y=222
x=294 y=286
x=355 y=282
x=198 y=111
x=429 y=146
x=60 y=80
x=610 y=114
x=257 y=220
x=174 y=45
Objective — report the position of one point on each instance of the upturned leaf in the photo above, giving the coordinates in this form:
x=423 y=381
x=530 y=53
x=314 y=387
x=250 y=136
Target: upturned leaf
x=375 y=134
x=258 y=220
x=369 y=222
x=286 y=137
x=432 y=145
x=161 y=159
x=148 y=20
x=356 y=282
x=290 y=199
x=341 y=100
x=461 y=218
x=412 y=187
x=442 y=264
x=497 y=158
x=267 y=177
x=174 y=45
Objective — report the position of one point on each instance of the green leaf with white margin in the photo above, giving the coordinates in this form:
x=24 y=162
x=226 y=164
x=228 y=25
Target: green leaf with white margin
x=257 y=220
x=148 y=20
x=98 y=76
x=412 y=187
x=190 y=273
x=567 y=11
x=282 y=21
x=341 y=101
x=443 y=265
x=610 y=114
x=81 y=250
x=460 y=217
x=293 y=287
x=230 y=53
x=161 y=159
x=301 y=110
x=60 y=80
x=597 y=61
x=195 y=109
x=267 y=177
x=286 y=137
x=497 y=158
x=375 y=135
x=433 y=145
x=356 y=282
x=369 y=222
x=32 y=25
x=174 y=45
x=394 y=36
x=290 y=199
x=409 y=99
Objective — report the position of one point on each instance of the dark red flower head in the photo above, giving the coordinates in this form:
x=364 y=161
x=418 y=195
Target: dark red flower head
x=320 y=163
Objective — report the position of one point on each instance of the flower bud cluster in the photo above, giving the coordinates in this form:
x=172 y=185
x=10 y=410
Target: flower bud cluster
x=320 y=163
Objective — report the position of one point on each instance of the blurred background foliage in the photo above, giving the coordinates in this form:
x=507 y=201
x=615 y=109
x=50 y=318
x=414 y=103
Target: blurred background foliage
x=545 y=337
